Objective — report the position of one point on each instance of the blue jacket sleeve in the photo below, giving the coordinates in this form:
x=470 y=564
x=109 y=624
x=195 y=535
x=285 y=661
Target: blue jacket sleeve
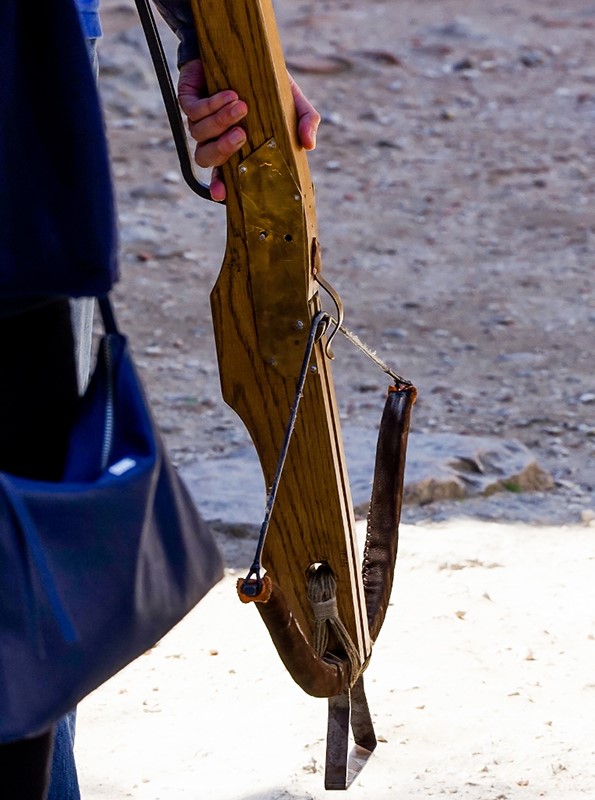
x=178 y=15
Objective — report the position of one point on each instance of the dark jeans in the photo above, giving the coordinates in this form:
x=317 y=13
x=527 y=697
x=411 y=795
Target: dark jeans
x=38 y=398
x=64 y=783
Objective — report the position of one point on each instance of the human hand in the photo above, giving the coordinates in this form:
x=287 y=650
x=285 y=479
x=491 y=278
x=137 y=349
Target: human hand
x=213 y=121
x=308 y=117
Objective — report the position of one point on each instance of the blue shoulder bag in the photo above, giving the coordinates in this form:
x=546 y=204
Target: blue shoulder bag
x=97 y=567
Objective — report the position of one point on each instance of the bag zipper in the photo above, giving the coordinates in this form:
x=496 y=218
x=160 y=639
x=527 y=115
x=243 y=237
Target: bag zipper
x=108 y=429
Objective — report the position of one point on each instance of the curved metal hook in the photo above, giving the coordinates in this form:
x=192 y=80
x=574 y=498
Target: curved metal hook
x=170 y=99
x=334 y=295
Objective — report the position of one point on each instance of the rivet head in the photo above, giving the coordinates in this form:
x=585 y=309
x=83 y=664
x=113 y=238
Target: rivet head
x=299 y=325
x=272 y=144
x=263 y=235
x=243 y=169
x=313 y=368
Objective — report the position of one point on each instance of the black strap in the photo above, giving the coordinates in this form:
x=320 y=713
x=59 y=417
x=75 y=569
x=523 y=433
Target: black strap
x=107 y=314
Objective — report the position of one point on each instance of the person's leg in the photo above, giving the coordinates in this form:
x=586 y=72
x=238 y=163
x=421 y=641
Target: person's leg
x=64 y=783
x=39 y=392
x=38 y=399
x=24 y=768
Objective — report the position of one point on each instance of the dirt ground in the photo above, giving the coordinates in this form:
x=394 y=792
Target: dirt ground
x=456 y=207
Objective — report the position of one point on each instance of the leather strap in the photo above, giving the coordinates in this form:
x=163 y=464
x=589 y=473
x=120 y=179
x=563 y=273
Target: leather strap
x=318 y=677
x=382 y=538
x=350 y=708
x=330 y=676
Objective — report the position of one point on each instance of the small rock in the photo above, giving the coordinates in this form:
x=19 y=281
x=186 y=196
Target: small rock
x=531 y=59
x=172 y=177
x=396 y=333
x=155 y=191
x=319 y=65
x=311 y=766
x=463 y=64
x=332 y=118
x=458 y=28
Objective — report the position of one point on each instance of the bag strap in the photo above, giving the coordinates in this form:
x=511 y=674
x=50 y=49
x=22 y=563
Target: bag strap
x=108 y=314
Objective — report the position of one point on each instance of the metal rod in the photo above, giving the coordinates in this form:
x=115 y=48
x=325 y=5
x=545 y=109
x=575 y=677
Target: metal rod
x=252 y=582
x=170 y=99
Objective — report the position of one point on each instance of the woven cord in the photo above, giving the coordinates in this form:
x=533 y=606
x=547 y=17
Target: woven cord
x=322 y=594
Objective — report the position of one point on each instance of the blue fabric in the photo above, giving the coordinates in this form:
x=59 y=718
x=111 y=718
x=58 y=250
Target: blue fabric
x=89 y=11
x=177 y=14
x=64 y=783
x=58 y=232
x=104 y=562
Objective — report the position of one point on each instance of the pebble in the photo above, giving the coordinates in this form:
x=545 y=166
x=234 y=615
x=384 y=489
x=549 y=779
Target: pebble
x=155 y=191
x=333 y=118
x=531 y=59
x=396 y=333
x=463 y=64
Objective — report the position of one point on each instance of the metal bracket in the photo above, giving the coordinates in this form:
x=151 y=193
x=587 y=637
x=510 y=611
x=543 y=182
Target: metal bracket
x=277 y=241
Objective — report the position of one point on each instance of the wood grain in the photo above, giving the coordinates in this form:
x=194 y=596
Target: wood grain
x=313 y=517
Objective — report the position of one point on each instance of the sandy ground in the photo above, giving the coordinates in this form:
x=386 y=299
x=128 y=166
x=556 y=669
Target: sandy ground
x=482 y=685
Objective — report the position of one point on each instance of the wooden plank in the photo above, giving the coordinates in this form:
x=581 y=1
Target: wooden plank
x=313 y=517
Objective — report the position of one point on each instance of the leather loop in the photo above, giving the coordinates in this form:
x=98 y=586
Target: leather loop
x=382 y=536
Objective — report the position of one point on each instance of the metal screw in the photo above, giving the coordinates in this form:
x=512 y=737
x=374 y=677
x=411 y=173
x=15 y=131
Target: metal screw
x=272 y=362
x=299 y=325
x=243 y=169
x=313 y=368
x=272 y=144
x=296 y=197
x=263 y=235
